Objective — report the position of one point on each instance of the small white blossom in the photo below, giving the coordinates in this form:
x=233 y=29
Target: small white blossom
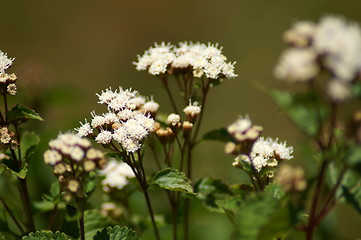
x=297 y=65
x=301 y=34
x=84 y=130
x=192 y=109
x=97 y=121
x=110 y=118
x=77 y=153
x=339 y=91
x=116 y=175
x=11 y=89
x=52 y=157
x=173 y=119
x=106 y=96
x=151 y=106
x=5 y=62
x=104 y=137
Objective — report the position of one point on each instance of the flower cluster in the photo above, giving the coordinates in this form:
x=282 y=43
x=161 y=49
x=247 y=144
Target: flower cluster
x=116 y=175
x=128 y=121
x=265 y=154
x=200 y=59
x=291 y=178
x=7 y=81
x=73 y=159
x=333 y=44
x=257 y=152
x=7 y=138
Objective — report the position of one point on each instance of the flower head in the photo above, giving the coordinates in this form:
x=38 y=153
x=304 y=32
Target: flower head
x=5 y=62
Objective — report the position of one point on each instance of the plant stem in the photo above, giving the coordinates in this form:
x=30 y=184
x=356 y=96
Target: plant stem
x=150 y=210
x=11 y=215
x=170 y=95
x=27 y=204
x=81 y=226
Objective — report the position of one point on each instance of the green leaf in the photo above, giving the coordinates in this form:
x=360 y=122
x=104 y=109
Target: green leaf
x=305 y=109
x=29 y=141
x=21 y=112
x=10 y=165
x=209 y=190
x=255 y=214
x=46 y=235
x=220 y=134
x=174 y=180
x=94 y=222
x=116 y=233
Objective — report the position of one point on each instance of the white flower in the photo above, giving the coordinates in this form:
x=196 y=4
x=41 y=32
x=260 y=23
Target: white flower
x=97 y=121
x=339 y=91
x=173 y=119
x=84 y=130
x=110 y=118
x=106 y=96
x=125 y=114
x=192 y=109
x=301 y=34
x=151 y=106
x=267 y=152
x=5 y=62
x=104 y=137
x=116 y=175
x=77 y=153
x=52 y=157
x=340 y=42
x=297 y=65
x=11 y=89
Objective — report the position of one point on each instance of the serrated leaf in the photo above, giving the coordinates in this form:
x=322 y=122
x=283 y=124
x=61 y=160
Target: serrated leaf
x=209 y=190
x=46 y=235
x=94 y=222
x=21 y=112
x=220 y=134
x=116 y=233
x=14 y=169
x=29 y=142
x=305 y=109
x=252 y=212
x=174 y=180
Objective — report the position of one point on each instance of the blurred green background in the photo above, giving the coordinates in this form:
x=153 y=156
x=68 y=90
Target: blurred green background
x=66 y=51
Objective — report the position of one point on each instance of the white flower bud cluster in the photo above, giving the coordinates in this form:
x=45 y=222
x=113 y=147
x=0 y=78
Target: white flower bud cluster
x=200 y=59
x=7 y=138
x=129 y=119
x=267 y=153
x=116 y=175
x=7 y=81
x=333 y=44
x=72 y=156
x=192 y=111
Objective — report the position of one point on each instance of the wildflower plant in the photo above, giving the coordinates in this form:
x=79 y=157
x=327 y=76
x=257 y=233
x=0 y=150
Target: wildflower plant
x=144 y=149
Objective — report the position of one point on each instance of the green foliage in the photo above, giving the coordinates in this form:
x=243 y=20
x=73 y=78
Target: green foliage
x=10 y=165
x=46 y=235
x=116 y=233
x=174 y=180
x=94 y=222
x=29 y=142
x=21 y=113
x=209 y=190
x=306 y=109
x=220 y=134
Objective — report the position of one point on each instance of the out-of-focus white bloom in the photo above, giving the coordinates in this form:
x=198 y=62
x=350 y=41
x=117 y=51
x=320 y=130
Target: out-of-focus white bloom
x=243 y=130
x=11 y=89
x=173 y=119
x=104 y=137
x=339 y=91
x=297 y=65
x=51 y=157
x=84 y=129
x=5 y=62
x=116 y=175
x=301 y=34
x=340 y=42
